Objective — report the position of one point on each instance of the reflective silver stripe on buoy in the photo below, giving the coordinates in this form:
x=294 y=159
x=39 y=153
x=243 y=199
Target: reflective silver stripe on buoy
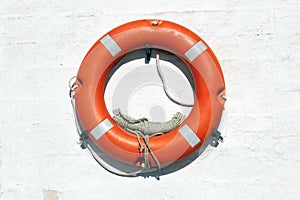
x=101 y=128
x=110 y=45
x=195 y=51
x=189 y=135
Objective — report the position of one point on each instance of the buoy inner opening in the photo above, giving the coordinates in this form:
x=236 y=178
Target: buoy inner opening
x=136 y=89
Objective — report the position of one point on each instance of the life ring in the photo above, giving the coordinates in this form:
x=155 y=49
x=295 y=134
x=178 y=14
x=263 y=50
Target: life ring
x=101 y=129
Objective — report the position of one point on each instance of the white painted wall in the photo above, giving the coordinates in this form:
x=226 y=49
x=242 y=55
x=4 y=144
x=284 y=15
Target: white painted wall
x=42 y=44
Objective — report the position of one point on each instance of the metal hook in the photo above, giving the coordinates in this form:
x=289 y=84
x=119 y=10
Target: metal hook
x=218 y=138
x=148 y=54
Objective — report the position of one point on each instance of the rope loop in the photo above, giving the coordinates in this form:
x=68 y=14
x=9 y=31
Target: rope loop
x=166 y=90
x=73 y=85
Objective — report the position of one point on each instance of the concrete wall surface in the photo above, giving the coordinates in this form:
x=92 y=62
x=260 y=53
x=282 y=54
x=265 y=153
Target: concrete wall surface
x=42 y=44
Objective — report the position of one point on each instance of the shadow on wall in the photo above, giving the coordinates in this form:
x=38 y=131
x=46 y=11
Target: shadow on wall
x=213 y=140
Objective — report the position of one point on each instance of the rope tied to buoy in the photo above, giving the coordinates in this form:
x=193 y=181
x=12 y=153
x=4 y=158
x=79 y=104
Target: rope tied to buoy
x=145 y=129
x=166 y=90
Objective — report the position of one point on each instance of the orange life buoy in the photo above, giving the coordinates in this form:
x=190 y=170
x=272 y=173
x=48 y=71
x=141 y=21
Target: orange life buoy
x=209 y=88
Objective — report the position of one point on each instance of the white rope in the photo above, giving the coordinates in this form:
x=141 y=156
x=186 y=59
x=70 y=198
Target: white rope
x=147 y=148
x=146 y=140
x=72 y=84
x=162 y=78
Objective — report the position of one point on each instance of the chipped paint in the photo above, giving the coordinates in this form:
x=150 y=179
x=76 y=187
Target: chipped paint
x=50 y=194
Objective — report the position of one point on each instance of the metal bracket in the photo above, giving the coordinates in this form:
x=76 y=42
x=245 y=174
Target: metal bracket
x=82 y=140
x=157 y=177
x=218 y=138
x=148 y=54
